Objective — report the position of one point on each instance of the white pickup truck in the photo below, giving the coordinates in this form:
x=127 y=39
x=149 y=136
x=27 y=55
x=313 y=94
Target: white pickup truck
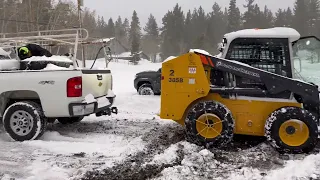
x=29 y=99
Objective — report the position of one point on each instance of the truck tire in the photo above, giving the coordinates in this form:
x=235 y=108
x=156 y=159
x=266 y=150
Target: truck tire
x=292 y=130
x=209 y=124
x=70 y=120
x=145 y=90
x=24 y=121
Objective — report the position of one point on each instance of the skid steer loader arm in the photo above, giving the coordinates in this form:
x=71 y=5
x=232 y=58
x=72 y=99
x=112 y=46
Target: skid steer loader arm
x=187 y=78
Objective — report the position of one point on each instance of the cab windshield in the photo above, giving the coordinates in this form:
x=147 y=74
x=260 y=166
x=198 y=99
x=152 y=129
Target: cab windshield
x=306 y=56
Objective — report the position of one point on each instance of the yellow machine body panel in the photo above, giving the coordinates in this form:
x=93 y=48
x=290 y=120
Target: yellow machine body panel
x=185 y=81
x=250 y=115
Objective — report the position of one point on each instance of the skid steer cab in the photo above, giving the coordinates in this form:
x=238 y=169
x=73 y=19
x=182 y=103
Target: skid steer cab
x=250 y=88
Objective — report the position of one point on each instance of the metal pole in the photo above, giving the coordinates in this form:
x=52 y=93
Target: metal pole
x=80 y=24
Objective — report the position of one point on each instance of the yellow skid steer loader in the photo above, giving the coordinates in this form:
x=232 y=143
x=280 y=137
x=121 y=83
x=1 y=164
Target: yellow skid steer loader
x=249 y=89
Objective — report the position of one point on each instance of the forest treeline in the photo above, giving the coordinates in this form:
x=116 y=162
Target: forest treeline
x=179 y=31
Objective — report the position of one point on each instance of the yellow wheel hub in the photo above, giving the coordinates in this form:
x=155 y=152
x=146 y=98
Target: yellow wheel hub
x=294 y=132
x=209 y=126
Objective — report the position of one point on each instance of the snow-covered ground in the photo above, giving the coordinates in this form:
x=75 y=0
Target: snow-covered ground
x=136 y=144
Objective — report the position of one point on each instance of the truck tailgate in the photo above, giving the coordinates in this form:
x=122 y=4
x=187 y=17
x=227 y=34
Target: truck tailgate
x=96 y=82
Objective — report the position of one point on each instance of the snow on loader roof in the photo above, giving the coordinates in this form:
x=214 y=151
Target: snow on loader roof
x=277 y=32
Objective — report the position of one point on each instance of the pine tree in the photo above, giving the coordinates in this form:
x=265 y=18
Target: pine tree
x=300 y=18
x=110 y=28
x=172 y=32
x=217 y=16
x=280 y=19
x=267 y=18
x=166 y=35
x=187 y=34
x=126 y=28
x=199 y=20
x=288 y=17
x=151 y=39
x=120 y=32
x=248 y=16
x=135 y=33
x=178 y=28
x=234 y=16
x=257 y=19
x=313 y=17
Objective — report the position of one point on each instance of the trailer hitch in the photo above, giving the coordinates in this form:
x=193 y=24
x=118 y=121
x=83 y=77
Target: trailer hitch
x=107 y=112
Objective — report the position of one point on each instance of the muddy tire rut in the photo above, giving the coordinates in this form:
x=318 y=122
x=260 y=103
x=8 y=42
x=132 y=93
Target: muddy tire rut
x=136 y=166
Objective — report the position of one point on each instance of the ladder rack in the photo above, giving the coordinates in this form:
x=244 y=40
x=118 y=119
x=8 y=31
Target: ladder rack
x=69 y=37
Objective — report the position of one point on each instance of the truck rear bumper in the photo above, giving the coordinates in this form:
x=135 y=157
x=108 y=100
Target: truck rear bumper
x=99 y=106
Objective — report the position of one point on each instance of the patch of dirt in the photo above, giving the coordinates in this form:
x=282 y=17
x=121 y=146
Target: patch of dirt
x=158 y=139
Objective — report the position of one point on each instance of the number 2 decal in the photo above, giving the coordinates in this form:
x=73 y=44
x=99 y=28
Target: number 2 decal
x=171 y=73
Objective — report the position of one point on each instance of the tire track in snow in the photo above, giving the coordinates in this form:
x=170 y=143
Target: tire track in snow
x=14 y=157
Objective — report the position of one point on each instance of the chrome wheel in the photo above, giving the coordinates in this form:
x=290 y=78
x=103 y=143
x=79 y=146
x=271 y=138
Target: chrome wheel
x=21 y=122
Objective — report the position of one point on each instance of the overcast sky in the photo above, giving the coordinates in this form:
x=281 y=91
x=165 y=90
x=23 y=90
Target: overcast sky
x=124 y=8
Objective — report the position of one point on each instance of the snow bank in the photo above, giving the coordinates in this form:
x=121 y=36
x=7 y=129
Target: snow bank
x=194 y=159
x=168 y=156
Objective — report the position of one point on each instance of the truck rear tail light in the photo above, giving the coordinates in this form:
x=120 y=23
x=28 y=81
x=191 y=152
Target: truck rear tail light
x=74 y=87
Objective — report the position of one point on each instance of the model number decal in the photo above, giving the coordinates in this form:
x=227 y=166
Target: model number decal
x=46 y=82
x=176 y=80
x=219 y=63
